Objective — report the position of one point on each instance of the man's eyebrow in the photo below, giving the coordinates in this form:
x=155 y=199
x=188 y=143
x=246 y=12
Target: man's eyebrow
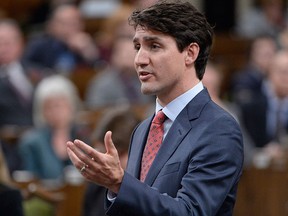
x=147 y=39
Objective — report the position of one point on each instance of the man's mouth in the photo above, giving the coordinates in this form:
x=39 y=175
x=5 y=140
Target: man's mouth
x=144 y=75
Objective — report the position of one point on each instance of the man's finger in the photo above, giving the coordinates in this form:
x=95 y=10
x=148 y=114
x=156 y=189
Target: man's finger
x=73 y=157
x=110 y=147
x=90 y=154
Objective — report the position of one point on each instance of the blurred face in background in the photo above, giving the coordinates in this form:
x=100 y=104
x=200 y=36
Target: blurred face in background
x=274 y=11
x=65 y=22
x=278 y=74
x=11 y=44
x=57 y=111
x=123 y=55
x=212 y=80
x=262 y=52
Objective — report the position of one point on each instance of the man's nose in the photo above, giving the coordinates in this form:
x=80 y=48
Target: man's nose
x=141 y=58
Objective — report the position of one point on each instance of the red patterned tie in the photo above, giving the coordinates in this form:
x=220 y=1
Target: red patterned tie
x=153 y=144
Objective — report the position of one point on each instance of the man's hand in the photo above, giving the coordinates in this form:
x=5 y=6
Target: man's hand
x=101 y=168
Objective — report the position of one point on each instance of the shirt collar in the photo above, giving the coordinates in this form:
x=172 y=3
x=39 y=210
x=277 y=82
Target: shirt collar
x=173 y=109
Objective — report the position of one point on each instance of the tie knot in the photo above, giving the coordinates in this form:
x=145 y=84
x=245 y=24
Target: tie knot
x=159 y=117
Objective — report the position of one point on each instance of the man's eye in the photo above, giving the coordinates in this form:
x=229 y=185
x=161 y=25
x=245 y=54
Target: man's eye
x=136 y=47
x=155 y=46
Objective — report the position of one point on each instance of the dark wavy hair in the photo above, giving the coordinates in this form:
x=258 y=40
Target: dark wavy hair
x=183 y=22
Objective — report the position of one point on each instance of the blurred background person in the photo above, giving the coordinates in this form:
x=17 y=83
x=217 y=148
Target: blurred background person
x=266 y=116
x=266 y=17
x=17 y=84
x=43 y=149
x=15 y=81
x=121 y=121
x=111 y=27
x=282 y=39
x=40 y=13
x=247 y=83
x=118 y=83
x=212 y=80
x=64 y=46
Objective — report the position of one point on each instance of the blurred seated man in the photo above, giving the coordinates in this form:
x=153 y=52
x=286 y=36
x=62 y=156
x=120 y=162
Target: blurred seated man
x=40 y=13
x=247 y=83
x=111 y=27
x=65 y=46
x=43 y=149
x=266 y=117
x=265 y=17
x=121 y=121
x=212 y=80
x=17 y=82
x=118 y=83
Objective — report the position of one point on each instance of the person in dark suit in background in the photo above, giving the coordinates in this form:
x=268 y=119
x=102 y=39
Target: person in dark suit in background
x=16 y=87
x=265 y=116
x=17 y=84
x=199 y=163
x=247 y=82
x=67 y=46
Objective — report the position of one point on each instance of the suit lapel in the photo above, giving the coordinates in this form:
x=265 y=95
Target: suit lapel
x=179 y=129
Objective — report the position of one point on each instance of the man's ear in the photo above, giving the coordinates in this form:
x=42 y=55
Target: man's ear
x=192 y=52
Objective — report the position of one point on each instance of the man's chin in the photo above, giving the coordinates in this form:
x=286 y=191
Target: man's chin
x=147 y=91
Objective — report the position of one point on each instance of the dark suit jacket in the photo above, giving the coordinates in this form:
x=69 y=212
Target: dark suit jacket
x=246 y=83
x=14 y=110
x=254 y=117
x=195 y=172
x=10 y=201
x=93 y=204
x=57 y=53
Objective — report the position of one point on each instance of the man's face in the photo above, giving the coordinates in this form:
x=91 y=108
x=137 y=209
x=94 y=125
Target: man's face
x=263 y=52
x=10 y=45
x=279 y=75
x=123 y=54
x=58 y=111
x=159 y=64
x=65 y=23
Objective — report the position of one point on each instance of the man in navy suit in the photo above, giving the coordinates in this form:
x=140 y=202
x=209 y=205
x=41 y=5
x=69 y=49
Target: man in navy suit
x=199 y=164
